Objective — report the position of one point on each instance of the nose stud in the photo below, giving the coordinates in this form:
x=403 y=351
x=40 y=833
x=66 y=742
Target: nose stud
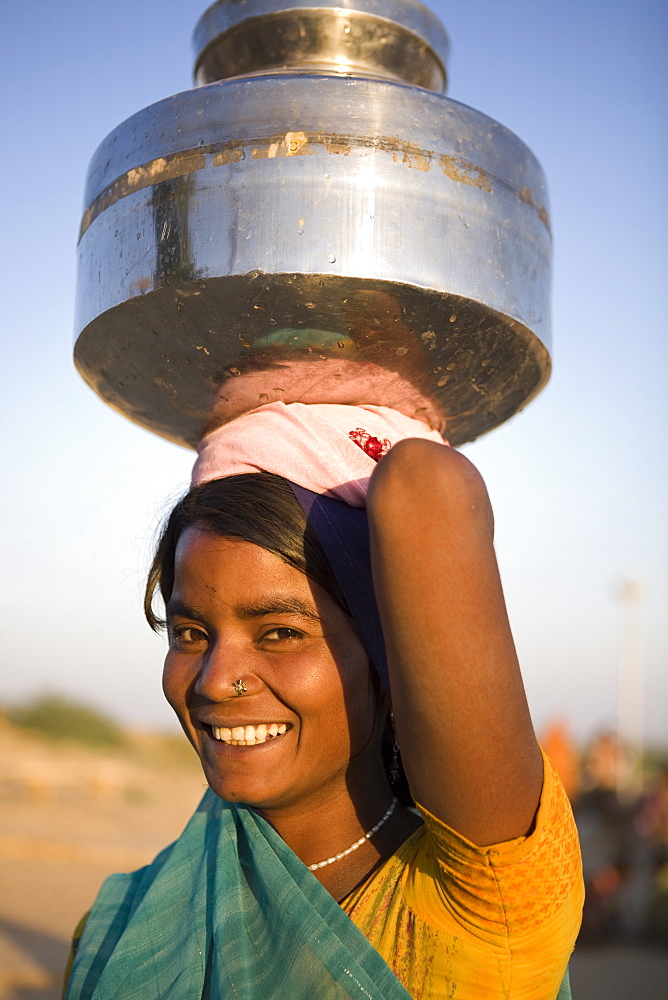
x=239 y=687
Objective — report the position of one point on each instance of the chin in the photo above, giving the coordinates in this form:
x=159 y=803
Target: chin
x=251 y=793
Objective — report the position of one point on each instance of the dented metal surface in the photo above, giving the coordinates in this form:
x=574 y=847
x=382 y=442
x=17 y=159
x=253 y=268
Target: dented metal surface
x=313 y=237
x=295 y=143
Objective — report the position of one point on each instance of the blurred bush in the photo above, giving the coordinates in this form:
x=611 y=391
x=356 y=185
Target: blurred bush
x=59 y=718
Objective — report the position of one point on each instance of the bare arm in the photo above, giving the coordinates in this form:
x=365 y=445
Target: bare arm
x=463 y=724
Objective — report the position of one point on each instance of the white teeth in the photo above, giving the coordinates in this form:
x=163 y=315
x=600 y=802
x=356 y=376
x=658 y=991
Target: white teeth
x=249 y=736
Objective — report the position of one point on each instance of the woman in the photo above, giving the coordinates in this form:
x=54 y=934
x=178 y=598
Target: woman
x=276 y=670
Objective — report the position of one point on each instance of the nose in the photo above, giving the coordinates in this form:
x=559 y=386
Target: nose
x=225 y=673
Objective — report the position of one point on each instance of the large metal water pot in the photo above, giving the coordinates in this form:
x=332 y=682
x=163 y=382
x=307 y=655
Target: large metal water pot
x=314 y=222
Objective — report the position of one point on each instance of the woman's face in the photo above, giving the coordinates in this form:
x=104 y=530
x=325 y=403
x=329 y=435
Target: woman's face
x=239 y=612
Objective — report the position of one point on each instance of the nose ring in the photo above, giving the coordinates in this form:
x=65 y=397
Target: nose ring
x=239 y=687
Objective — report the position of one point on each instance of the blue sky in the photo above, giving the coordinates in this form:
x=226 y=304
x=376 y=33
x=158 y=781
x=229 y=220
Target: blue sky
x=579 y=480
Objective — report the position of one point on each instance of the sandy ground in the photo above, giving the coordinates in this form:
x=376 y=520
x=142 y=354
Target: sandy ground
x=69 y=817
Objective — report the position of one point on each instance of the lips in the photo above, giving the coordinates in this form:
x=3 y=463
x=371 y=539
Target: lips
x=249 y=735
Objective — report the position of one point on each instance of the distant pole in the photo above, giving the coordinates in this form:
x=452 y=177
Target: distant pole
x=630 y=688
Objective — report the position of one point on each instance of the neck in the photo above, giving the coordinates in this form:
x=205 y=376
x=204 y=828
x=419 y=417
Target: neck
x=314 y=836
x=334 y=817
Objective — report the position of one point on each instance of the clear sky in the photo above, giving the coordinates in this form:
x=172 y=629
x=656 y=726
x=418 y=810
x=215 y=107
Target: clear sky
x=579 y=480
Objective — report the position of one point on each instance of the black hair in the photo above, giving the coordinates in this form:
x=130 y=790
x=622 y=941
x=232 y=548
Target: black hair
x=256 y=507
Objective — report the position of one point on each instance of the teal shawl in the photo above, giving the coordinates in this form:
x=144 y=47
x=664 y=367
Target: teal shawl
x=228 y=911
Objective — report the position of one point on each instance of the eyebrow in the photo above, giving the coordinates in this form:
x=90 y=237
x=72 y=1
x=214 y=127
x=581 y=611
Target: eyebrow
x=278 y=606
x=184 y=611
x=255 y=609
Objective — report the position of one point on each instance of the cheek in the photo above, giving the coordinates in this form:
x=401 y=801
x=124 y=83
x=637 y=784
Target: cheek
x=175 y=687
x=354 y=679
x=176 y=682
x=356 y=669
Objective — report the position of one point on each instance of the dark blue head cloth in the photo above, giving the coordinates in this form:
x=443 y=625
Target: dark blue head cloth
x=343 y=532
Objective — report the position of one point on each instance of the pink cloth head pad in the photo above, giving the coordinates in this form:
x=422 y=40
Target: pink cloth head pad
x=328 y=448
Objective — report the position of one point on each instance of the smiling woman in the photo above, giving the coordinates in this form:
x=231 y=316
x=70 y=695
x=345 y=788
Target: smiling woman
x=239 y=612
x=305 y=871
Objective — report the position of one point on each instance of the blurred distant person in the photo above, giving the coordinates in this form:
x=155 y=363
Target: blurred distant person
x=652 y=825
x=616 y=857
x=559 y=747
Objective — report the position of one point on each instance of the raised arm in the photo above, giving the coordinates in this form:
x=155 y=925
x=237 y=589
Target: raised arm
x=462 y=719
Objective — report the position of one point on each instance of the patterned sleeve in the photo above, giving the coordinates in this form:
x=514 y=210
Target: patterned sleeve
x=526 y=894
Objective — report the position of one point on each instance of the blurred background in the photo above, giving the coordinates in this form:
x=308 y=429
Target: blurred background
x=579 y=481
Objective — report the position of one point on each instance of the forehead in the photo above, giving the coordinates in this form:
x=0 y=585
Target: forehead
x=232 y=567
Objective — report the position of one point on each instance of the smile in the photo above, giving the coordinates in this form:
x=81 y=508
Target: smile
x=249 y=736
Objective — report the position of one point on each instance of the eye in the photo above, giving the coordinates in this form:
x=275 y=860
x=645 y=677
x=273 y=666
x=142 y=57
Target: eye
x=186 y=637
x=281 y=634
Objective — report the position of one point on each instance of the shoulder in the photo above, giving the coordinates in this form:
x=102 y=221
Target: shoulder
x=509 y=886
x=519 y=901
x=520 y=883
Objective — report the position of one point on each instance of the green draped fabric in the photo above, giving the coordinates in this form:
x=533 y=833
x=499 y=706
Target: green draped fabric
x=228 y=912
x=565 y=988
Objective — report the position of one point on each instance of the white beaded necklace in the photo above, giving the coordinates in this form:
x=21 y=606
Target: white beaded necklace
x=358 y=843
